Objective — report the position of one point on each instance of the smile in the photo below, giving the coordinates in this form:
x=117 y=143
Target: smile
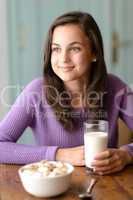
x=67 y=68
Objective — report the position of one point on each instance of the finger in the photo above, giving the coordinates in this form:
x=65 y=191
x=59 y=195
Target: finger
x=106 y=168
x=113 y=170
x=105 y=154
x=109 y=168
x=105 y=162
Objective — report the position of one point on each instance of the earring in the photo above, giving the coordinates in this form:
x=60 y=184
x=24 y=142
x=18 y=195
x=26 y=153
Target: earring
x=94 y=60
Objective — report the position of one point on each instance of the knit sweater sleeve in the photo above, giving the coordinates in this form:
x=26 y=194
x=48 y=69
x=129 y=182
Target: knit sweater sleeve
x=124 y=104
x=126 y=112
x=12 y=127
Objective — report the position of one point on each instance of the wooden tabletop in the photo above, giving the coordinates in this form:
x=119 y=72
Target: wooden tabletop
x=118 y=186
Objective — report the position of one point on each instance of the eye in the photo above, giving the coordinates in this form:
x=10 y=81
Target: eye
x=75 y=49
x=55 y=49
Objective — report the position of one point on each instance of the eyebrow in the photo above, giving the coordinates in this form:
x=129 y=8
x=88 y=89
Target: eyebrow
x=72 y=43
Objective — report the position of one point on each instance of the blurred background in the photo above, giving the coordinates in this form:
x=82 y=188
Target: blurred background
x=23 y=28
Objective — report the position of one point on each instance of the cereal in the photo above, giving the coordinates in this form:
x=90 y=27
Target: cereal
x=46 y=168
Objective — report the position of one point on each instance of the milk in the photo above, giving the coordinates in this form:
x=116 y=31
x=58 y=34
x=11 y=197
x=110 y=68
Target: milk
x=95 y=142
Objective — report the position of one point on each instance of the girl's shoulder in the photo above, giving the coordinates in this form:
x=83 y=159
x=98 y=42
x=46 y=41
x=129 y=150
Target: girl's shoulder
x=115 y=83
x=36 y=85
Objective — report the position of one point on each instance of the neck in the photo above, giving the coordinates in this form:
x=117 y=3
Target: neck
x=76 y=87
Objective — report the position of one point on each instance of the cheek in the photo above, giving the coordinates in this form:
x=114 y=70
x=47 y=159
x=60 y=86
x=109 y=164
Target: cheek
x=53 y=61
x=83 y=57
x=82 y=60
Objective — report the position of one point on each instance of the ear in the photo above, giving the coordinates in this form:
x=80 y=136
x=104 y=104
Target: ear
x=94 y=60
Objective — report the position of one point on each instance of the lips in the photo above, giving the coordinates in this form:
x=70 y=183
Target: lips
x=66 y=68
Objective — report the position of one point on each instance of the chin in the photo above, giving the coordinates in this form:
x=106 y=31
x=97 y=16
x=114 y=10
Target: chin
x=67 y=79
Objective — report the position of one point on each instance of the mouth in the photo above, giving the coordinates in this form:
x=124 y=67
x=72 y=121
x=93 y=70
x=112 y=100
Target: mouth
x=66 y=68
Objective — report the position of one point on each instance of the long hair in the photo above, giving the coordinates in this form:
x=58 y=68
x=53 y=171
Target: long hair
x=98 y=70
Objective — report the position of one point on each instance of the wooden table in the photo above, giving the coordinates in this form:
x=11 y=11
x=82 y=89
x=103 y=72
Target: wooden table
x=118 y=186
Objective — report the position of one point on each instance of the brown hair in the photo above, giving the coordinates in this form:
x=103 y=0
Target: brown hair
x=98 y=71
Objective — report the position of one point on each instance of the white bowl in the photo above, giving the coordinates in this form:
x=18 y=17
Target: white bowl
x=46 y=186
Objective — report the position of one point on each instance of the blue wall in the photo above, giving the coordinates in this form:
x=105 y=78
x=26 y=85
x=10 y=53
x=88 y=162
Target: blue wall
x=28 y=22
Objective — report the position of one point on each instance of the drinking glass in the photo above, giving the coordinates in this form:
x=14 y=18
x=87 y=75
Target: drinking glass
x=95 y=139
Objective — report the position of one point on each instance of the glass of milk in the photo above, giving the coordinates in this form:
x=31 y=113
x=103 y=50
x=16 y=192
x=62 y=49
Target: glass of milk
x=95 y=139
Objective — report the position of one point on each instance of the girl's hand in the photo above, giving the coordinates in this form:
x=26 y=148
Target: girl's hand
x=74 y=155
x=111 y=160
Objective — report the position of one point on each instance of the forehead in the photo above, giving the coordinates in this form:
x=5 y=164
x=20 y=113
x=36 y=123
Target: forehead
x=69 y=32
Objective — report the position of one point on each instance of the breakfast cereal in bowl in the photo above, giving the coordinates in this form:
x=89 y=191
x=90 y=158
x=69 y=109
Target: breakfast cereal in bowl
x=46 y=178
x=46 y=168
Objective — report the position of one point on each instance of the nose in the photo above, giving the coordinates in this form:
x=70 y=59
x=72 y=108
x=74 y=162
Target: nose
x=64 y=56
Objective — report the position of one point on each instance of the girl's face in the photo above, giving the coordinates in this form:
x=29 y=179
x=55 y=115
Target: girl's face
x=71 y=55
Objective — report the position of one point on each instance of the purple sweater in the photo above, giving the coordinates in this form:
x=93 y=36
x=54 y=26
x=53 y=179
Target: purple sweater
x=29 y=110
